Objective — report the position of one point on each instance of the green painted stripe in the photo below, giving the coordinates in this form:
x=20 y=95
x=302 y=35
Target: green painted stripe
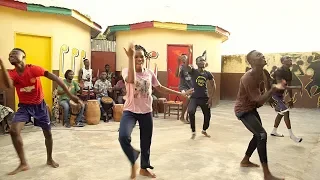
x=119 y=28
x=52 y=10
x=191 y=27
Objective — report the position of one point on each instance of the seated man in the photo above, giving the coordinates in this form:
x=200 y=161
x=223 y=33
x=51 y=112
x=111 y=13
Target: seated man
x=101 y=88
x=121 y=88
x=6 y=114
x=64 y=99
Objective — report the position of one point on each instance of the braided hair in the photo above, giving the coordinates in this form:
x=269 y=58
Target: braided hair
x=139 y=47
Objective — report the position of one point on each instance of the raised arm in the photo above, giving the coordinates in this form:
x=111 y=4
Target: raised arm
x=131 y=69
x=7 y=80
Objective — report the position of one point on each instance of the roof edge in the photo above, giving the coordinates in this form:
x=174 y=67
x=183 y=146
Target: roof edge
x=51 y=10
x=111 y=30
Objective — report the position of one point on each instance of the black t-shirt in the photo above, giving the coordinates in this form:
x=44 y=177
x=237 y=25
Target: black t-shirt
x=280 y=74
x=185 y=79
x=199 y=83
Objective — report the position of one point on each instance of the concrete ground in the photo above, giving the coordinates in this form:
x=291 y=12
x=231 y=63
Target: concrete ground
x=93 y=152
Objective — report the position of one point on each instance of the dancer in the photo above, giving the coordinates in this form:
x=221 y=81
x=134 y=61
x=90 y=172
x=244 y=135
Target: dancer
x=138 y=107
x=184 y=83
x=26 y=79
x=249 y=98
x=283 y=74
x=201 y=97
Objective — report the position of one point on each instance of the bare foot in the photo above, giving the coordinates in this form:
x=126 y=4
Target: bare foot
x=206 y=134
x=21 y=167
x=52 y=163
x=146 y=172
x=248 y=164
x=134 y=172
x=271 y=177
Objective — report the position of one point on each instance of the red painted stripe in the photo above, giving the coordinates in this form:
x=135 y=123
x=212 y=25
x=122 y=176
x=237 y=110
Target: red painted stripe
x=142 y=25
x=14 y=4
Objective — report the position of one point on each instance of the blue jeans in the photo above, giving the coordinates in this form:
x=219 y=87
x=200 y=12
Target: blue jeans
x=66 y=110
x=127 y=123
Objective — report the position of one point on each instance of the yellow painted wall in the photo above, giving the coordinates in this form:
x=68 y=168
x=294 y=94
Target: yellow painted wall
x=66 y=33
x=157 y=39
x=238 y=64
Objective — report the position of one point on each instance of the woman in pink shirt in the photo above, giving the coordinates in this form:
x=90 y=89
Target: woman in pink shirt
x=138 y=107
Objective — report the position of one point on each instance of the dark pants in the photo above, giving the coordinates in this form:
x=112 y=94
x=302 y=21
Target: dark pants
x=203 y=103
x=253 y=123
x=127 y=123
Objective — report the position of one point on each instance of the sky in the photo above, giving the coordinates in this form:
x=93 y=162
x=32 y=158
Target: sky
x=269 y=26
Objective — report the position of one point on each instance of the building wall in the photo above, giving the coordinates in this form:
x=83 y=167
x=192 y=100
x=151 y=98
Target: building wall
x=70 y=38
x=305 y=66
x=158 y=39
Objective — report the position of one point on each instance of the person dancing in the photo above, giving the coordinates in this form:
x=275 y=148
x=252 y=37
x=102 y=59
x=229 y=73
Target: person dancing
x=26 y=79
x=283 y=74
x=200 y=97
x=184 y=83
x=250 y=98
x=138 y=107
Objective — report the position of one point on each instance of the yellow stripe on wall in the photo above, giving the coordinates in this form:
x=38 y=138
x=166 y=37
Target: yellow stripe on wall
x=172 y=26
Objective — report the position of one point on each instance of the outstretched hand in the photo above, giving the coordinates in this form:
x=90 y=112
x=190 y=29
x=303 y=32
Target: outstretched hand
x=130 y=51
x=188 y=92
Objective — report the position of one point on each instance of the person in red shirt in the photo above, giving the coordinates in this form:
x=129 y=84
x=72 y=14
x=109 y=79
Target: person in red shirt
x=26 y=79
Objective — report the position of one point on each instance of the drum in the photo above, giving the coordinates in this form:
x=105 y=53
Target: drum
x=93 y=112
x=117 y=112
x=107 y=104
x=75 y=109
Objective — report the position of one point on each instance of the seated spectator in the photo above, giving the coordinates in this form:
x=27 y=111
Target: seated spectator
x=64 y=99
x=101 y=88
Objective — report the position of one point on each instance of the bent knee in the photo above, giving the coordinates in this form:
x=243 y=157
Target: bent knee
x=261 y=136
x=124 y=138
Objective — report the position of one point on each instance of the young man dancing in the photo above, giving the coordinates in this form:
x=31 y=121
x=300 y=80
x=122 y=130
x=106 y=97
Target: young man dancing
x=26 y=79
x=283 y=74
x=250 y=98
x=200 y=97
x=185 y=83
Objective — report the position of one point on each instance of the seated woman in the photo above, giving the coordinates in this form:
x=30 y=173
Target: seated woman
x=64 y=99
x=101 y=88
x=6 y=114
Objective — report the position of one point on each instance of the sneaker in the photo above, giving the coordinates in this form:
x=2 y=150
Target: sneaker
x=79 y=124
x=296 y=139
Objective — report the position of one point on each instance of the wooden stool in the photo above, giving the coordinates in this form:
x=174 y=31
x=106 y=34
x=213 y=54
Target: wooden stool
x=172 y=105
x=161 y=104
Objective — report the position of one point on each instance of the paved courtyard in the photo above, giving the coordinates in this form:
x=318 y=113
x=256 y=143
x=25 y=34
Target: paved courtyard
x=93 y=152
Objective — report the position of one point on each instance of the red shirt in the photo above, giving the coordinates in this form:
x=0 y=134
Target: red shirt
x=28 y=84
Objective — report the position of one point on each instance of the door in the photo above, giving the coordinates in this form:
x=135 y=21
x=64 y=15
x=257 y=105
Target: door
x=38 y=52
x=173 y=52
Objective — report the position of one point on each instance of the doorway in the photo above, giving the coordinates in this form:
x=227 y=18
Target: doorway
x=173 y=52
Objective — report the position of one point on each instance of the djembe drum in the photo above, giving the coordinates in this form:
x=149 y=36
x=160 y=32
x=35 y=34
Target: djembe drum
x=75 y=109
x=93 y=112
x=117 y=112
x=107 y=103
